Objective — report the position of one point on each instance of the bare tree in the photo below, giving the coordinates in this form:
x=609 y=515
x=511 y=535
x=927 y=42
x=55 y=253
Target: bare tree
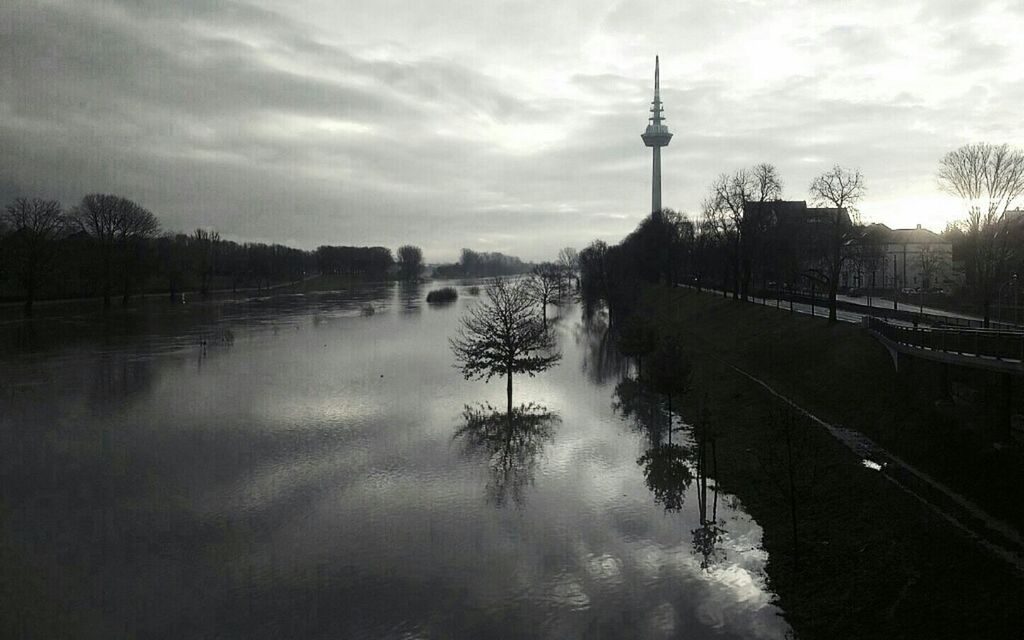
x=758 y=220
x=868 y=252
x=840 y=189
x=738 y=210
x=724 y=211
x=544 y=283
x=36 y=225
x=503 y=335
x=118 y=225
x=569 y=263
x=410 y=262
x=929 y=262
x=989 y=179
x=205 y=246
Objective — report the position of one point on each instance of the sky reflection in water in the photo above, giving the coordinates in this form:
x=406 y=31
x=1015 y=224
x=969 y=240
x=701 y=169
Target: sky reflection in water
x=320 y=474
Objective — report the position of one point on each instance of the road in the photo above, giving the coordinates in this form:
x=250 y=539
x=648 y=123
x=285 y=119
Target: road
x=853 y=317
x=886 y=303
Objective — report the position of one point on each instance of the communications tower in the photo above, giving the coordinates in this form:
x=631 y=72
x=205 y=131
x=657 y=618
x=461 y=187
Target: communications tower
x=656 y=136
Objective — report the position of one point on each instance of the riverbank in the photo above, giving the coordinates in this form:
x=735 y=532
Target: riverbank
x=319 y=283
x=868 y=559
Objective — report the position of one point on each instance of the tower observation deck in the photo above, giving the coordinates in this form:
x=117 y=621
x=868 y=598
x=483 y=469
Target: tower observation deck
x=656 y=136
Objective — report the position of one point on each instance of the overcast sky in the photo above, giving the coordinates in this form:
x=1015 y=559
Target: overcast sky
x=500 y=126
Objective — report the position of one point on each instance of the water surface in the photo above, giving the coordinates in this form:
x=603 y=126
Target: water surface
x=295 y=467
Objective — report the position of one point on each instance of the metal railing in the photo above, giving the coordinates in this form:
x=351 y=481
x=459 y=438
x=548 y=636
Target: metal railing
x=906 y=312
x=985 y=343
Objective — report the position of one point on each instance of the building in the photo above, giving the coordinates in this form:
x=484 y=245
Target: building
x=790 y=241
x=656 y=136
x=899 y=259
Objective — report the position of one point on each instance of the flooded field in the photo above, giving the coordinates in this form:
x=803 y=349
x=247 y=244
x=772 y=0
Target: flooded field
x=314 y=466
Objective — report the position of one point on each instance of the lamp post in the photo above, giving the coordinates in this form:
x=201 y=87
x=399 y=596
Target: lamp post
x=1016 y=305
x=895 y=285
x=1000 y=307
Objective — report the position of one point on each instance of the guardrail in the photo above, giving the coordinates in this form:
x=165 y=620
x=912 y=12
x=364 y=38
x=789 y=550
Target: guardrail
x=905 y=312
x=985 y=343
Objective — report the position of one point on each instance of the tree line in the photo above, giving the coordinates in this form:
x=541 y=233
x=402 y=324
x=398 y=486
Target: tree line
x=109 y=246
x=748 y=238
x=474 y=264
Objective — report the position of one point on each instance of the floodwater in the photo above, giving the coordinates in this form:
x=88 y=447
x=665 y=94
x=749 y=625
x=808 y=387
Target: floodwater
x=301 y=467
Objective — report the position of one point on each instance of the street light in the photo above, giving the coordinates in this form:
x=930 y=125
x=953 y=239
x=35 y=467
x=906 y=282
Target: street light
x=1001 y=293
x=1016 y=307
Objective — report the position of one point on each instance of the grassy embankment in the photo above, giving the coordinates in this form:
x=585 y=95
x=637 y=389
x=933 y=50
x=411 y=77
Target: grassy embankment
x=868 y=561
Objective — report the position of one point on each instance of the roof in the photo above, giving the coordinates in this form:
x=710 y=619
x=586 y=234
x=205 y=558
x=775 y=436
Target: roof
x=881 y=234
x=915 y=236
x=797 y=211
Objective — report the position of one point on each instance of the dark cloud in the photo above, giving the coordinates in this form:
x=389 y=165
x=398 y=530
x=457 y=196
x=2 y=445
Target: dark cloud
x=504 y=125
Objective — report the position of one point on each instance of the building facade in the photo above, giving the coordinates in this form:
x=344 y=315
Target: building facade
x=899 y=259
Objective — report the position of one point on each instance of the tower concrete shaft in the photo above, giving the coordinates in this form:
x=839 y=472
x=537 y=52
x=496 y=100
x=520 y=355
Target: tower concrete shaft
x=656 y=136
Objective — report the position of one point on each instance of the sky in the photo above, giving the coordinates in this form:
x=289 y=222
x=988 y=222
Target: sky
x=509 y=126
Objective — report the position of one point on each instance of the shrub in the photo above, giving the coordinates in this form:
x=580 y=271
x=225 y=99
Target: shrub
x=442 y=296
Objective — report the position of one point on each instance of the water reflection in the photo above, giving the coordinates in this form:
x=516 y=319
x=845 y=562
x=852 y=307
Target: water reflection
x=637 y=403
x=601 y=361
x=306 y=480
x=708 y=537
x=152 y=323
x=510 y=442
x=410 y=296
x=670 y=468
x=667 y=474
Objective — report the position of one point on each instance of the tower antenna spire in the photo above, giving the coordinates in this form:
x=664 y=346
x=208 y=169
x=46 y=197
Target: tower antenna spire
x=657 y=79
x=656 y=136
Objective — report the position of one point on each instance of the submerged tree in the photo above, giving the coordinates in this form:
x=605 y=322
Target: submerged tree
x=569 y=263
x=544 y=283
x=119 y=227
x=504 y=335
x=205 y=246
x=410 y=262
x=637 y=338
x=36 y=225
x=669 y=372
x=511 y=443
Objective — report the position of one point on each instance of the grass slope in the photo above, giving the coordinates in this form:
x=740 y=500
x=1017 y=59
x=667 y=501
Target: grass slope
x=870 y=561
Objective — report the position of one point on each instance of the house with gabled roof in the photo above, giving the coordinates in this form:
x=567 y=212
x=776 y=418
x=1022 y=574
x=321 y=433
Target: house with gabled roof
x=899 y=259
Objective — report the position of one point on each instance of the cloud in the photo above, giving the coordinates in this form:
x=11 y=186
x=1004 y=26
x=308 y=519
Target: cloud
x=500 y=123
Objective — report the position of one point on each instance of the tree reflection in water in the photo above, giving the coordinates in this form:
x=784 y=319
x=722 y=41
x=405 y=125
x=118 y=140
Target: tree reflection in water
x=670 y=468
x=601 y=360
x=410 y=295
x=511 y=443
x=635 y=401
x=707 y=536
x=667 y=469
x=667 y=474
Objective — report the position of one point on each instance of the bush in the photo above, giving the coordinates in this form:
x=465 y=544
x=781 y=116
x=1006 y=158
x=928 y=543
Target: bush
x=443 y=296
x=473 y=291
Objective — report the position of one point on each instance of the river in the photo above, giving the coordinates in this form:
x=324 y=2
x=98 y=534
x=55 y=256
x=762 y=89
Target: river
x=301 y=466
